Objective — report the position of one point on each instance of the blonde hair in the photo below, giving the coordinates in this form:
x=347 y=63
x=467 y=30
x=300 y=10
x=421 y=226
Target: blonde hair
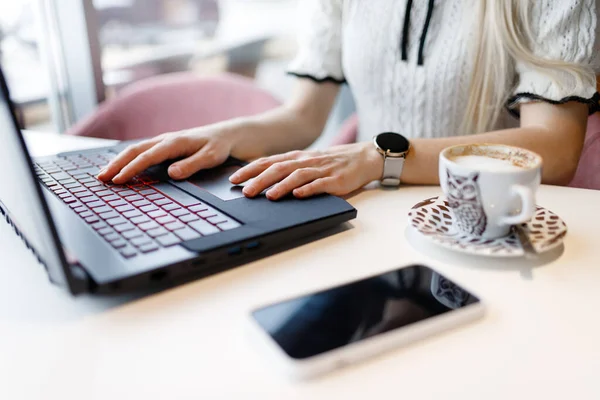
x=505 y=37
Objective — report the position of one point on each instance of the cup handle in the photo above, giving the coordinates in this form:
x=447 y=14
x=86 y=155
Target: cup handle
x=527 y=208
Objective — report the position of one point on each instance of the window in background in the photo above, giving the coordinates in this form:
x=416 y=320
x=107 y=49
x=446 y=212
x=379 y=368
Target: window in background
x=142 y=38
x=89 y=47
x=20 y=59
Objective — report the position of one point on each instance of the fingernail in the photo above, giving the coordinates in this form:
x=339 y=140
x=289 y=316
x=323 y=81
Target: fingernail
x=248 y=191
x=117 y=178
x=234 y=178
x=272 y=194
x=175 y=171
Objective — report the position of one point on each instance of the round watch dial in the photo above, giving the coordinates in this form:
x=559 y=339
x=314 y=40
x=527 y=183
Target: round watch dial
x=394 y=142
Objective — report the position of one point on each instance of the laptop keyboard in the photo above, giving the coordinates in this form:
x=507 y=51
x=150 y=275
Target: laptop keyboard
x=139 y=217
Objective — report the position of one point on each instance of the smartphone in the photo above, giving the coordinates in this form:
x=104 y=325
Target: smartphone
x=325 y=330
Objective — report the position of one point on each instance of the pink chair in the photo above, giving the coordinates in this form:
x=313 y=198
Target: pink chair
x=588 y=171
x=174 y=102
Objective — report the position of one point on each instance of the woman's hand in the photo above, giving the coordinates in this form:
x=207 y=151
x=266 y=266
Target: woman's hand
x=200 y=148
x=338 y=171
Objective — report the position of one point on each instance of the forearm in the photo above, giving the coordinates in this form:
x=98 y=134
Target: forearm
x=293 y=126
x=560 y=156
x=277 y=131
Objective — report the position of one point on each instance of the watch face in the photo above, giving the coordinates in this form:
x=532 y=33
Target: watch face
x=393 y=142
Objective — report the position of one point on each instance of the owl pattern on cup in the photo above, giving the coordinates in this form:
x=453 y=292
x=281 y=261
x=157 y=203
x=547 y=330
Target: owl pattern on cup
x=465 y=201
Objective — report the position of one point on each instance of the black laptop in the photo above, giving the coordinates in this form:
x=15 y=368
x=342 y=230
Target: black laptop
x=99 y=237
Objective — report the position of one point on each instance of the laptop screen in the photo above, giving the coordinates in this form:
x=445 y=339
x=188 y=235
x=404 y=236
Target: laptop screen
x=20 y=196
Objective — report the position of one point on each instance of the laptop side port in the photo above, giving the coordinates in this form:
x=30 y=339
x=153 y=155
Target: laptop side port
x=234 y=251
x=158 y=276
x=253 y=245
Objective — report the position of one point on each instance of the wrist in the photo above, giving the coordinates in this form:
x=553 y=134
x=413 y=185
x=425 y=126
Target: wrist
x=374 y=162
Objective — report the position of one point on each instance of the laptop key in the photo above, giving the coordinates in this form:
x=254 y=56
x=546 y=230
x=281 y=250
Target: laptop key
x=76 y=205
x=99 y=225
x=148 y=208
x=148 y=225
x=162 y=202
x=135 y=197
x=127 y=226
x=128 y=252
x=187 y=234
x=189 y=218
x=101 y=209
x=113 y=197
x=154 y=197
x=140 y=241
x=92 y=219
x=104 y=193
x=217 y=219
x=165 y=220
x=156 y=232
x=171 y=207
x=203 y=227
x=228 y=225
x=60 y=175
x=78 y=189
x=109 y=215
x=80 y=209
x=128 y=192
x=141 y=203
x=80 y=176
x=132 y=214
x=88 y=199
x=85 y=193
x=116 y=221
x=168 y=240
x=140 y=219
x=97 y=204
x=147 y=192
x=173 y=226
x=123 y=208
x=86 y=214
x=157 y=213
x=112 y=236
x=118 y=244
x=70 y=200
x=72 y=185
x=92 y=183
x=198 y=208
x=97 y=189
x=148 y=248
x=207 y=214
x=133 y=233
x=64 y=195
x=179 y=212
x=105 y=231
x=117 y=203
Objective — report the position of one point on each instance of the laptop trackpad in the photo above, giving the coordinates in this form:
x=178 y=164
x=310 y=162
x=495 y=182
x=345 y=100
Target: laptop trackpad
x=216 y=181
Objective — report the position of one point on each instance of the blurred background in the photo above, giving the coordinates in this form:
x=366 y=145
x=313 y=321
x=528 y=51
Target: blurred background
x=63 y=57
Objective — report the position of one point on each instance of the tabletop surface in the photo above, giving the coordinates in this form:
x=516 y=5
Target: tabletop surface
x=540 y=337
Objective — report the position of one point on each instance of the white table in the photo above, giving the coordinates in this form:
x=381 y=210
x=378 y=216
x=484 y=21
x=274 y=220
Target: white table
x=540 y=338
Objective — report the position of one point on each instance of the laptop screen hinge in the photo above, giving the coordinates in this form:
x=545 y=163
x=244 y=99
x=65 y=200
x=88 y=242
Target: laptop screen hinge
x=82 y=282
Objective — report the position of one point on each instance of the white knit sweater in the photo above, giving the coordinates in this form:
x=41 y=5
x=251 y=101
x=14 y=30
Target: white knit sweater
x=360 y=42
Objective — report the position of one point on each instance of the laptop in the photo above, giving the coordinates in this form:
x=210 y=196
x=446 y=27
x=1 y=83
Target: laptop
x=95 y=237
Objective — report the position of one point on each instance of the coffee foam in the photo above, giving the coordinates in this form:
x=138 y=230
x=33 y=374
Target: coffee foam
x=486 y=163
x=512 y=155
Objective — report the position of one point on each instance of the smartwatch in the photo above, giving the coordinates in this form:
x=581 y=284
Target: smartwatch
x=394 y=148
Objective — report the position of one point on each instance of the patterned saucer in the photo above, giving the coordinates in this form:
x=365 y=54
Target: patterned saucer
x=433 y=219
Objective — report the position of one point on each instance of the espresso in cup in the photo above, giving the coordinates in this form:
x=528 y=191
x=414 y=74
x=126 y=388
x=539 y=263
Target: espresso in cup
x=489 y=187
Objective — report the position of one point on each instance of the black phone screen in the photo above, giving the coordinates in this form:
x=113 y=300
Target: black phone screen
x=319 y=322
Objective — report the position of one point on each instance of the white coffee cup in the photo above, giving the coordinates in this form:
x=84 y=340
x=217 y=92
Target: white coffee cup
x=489 y=187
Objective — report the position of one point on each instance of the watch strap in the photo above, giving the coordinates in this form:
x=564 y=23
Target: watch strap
x=392 y=170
